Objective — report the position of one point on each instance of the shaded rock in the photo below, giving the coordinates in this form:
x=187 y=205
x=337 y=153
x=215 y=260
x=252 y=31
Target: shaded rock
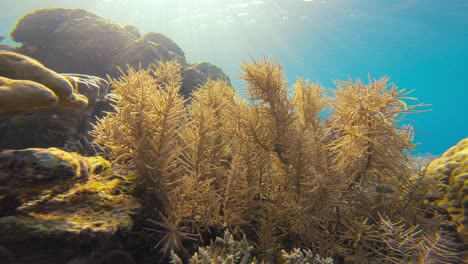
x=166 y=42
x=43 y=128
x=61 y=195
x=142 y=53
x=9 y=203
x=93 y=88
x=71 y=40
x=197 y=74
x=132 y=30
x=29 y=167
x=118 y=257
x=6 y=255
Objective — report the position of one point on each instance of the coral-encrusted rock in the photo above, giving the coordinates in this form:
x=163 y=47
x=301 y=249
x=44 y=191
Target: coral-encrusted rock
x=71 y=40
x=29 y=167
x=19 y=96
x=78 y=41
x=42 y=129
x=197 y=74
x=132 y=30
x=94 y=88
x=72 y=114
x=19 y=67
x=166 y=42
x=26 y=85
x=53 y=194
x=142 y=53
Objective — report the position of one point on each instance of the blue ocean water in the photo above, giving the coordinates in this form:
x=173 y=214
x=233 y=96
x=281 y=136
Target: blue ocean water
x=420 y=44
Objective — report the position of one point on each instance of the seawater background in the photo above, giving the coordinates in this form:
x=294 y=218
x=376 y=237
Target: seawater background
x=420 y=44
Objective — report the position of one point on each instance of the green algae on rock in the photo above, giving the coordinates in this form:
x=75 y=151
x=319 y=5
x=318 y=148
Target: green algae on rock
x=29 y=167
x=61 y=193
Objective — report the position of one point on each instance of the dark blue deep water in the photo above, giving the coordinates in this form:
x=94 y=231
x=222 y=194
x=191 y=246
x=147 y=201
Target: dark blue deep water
x=420 y=44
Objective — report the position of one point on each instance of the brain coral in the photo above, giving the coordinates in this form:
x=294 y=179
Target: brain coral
x=451 y=170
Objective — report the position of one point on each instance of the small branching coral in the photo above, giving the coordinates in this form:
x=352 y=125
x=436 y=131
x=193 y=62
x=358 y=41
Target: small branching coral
x=301 y=256
x=227 y=250
x=224 y=250
x=275 y=167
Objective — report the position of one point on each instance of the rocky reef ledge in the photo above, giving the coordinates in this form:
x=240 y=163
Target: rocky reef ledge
x=53 y=199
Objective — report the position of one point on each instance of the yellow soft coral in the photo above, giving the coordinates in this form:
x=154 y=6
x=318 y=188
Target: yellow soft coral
x=451 y=170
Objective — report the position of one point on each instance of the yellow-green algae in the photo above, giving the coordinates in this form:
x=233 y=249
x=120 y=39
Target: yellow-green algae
x=97 y=204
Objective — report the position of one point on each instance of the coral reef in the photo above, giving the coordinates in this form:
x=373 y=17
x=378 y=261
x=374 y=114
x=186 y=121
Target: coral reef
x=32 y=167
x=61 y=104
x=303 y=257
x=27 y=86
x=75 y=40
x=230 y=251
x=132 y=30
x=20 y=67
x=273 y=168
x=300 y=176
x=222 y=250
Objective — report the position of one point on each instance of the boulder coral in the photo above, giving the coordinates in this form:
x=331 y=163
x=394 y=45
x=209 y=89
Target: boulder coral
x=72 y=40
x=141 y=52
x=21 y=67
x=451 y=172
x=26 y=85
x=60 y=106
x=78 y=41
x=22 y=95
